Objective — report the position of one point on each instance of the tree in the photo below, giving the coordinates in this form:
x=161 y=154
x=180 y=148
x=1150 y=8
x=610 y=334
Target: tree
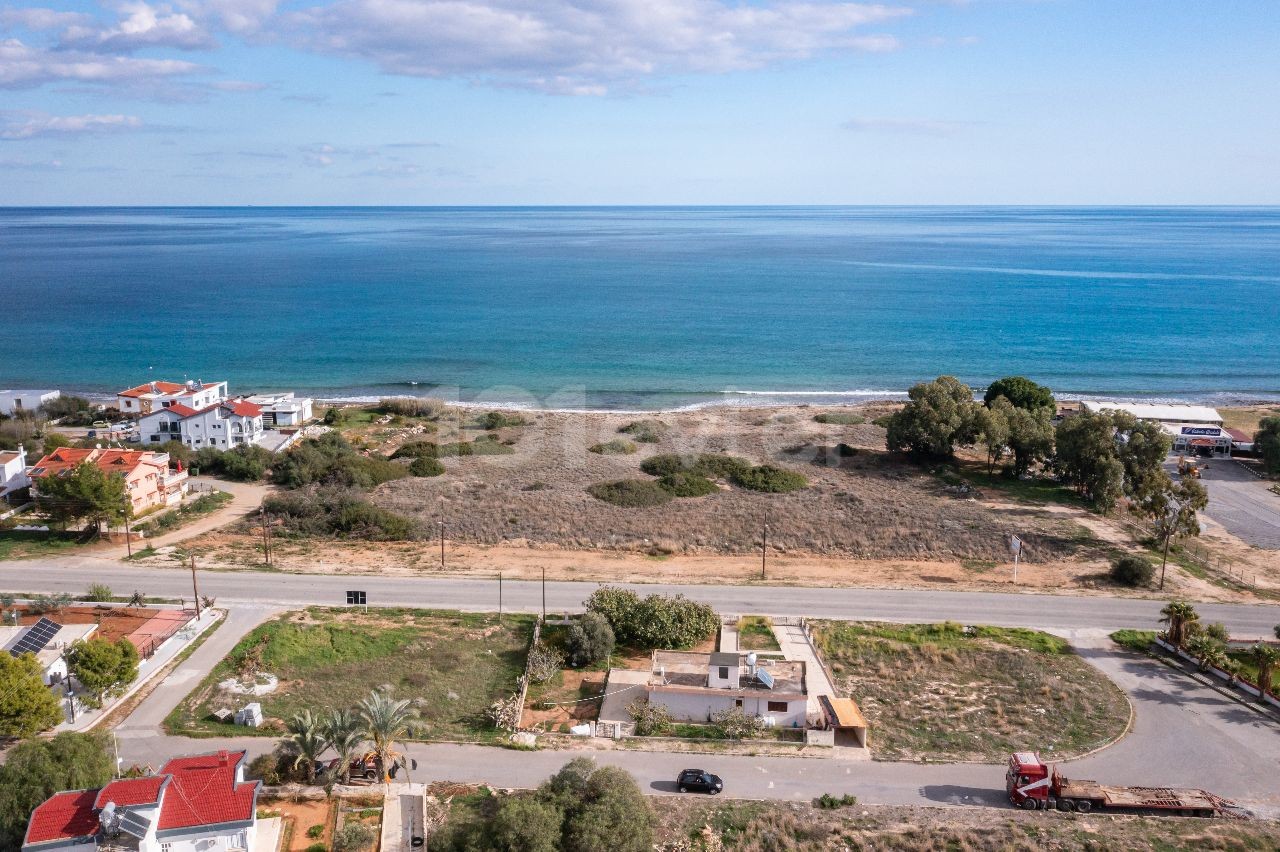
x=1030 y=437
x=1021 y=393
x=1266 y=443
x=613 y=815
x=1087 y=458
x=652 y=720
x=1172 y=508
x=103 y=667
x=54 y=441
x=36 y=769
x=27 y=706
x=526 y=824
x=1182 y=619
x=1132 y=571
x=993 y=430
x=85 y=491
x=656 y=621
x=734 y=724
x=1207 y=650
x=344 y=729
x=245 y=463
x=386 y=720
x=1265 y=658
x=306 y=735
x=1142 y=447
x=589 y=640
x=939 y=416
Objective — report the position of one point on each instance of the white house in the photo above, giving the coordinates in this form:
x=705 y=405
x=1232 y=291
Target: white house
x=282 y=409
x=694 y=686
x=1171 y=413
x=153 y=396
x=17 y=401
x=47 y=640
x=194 y=804
x=222 y=425
x=13 y=471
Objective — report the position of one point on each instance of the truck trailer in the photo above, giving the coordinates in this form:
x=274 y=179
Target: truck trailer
x=1034 y=785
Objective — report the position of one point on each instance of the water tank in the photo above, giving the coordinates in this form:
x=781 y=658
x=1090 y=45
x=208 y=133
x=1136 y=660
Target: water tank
x=751 y=662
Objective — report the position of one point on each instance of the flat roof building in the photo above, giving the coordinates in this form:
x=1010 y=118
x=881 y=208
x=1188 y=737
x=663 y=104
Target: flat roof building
x=1160 y=412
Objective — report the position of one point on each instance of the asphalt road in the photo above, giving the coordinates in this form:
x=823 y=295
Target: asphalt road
x=257 y=587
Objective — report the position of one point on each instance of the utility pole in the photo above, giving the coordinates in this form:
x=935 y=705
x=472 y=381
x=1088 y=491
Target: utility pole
x=266 y=542
x=128 y=536
x=544 y=594
x=499 y=597
x=195 y=589
x=764 y=545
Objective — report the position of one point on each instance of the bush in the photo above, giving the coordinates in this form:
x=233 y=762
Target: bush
x=828 y=802
x=315 y=831
x=417 y=450
x=682 y=483
x=645 y=431
x=353 y=837
x=98 y=592
x=426 y=466
x=657 y=621
x=339 y=512
x=589 y=640
x=1132 y=571
x=330 y=460
x=767 y=477
x=839 y=418
x=709 y=465
x=734 y=724
x=245 y=463
x=410 y=406
x=630 y=493
x=652 y=720
x=498 y=419
x=616 y=447
x=543 y=664
x=317 y=847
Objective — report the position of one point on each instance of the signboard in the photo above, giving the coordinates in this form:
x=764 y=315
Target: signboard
x=1209 y=431
x=1015 y=546
x=357 y=599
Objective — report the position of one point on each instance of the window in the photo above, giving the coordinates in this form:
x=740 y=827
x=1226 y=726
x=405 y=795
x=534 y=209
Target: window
x=777 y=706
x=166 y=847
x=738 y=703
x=724 y=672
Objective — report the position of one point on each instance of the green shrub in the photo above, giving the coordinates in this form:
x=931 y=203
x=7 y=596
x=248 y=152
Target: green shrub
x=732 y=723
x=339 y=512
x=410 y=406
x=498 y=419
x=353 y=837
x=829 y=802
x=767 y=477
x=685 y=484
x=490 y=445
x=616 y=447
x=645 y=431
x=630 y=493
x=709 y=465
x=1132 y=571
x=883 y=421
x=426 y=466
x=330 y=460
x=652 y=720
x=315 y=831
x=589 y=640
x=839 y=418
x=317 y=847
x=98 y=592
x=417 y=449
x=656 y=621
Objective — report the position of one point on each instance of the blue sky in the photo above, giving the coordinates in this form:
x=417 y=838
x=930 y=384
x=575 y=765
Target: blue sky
x=639 y=102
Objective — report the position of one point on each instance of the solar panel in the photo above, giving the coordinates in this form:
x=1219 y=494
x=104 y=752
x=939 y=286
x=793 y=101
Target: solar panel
x=36 y=638
x=134 y=824
x=764 y=677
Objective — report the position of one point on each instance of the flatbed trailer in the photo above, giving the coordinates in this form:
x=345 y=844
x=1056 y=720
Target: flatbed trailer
x=1032 y=785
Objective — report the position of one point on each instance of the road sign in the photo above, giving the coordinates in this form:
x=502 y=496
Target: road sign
x=1015 y=547
x=357 y=599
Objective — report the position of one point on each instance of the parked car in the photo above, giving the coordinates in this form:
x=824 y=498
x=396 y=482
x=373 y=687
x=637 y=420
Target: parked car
x=101 y=424
x=92 y=433
x=697 y=781
x=122 y=426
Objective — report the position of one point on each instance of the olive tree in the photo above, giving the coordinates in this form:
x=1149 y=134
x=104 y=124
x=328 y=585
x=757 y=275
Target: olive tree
x=939 y=416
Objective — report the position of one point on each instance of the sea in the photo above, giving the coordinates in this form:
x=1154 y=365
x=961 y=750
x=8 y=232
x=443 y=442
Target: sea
x=644 y=308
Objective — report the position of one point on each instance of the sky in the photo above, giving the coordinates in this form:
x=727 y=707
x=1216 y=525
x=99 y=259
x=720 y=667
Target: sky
x=530 y=102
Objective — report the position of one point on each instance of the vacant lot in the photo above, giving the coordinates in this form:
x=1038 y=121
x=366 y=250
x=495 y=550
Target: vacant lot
x=942 y=692
x=697 y=826
x=452 y=665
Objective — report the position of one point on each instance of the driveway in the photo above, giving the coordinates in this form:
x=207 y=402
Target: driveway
x=1242 y=503
x=246 y=497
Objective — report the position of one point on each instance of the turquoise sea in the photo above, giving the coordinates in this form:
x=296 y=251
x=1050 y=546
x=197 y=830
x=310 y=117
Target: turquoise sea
x=643 y=307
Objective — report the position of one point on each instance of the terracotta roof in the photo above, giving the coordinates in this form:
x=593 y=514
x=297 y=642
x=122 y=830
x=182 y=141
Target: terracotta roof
x=64 y=459
x=1238 y=435
x=181 y=410
x=132 y=791
x=204 y=792
x=63 y=816
x=244 y=409
x=160 y=387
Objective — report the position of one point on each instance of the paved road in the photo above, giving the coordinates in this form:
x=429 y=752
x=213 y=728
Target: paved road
x=1242 y=503
x=1198 y=739
x=255 y=587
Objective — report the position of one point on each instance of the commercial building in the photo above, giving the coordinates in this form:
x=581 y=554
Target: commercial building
x=148 y=480
x=19 y=401
x=1171 y=413
x=194 y=804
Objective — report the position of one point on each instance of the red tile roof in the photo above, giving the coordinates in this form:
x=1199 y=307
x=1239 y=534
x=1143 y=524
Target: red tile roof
x=63 y=816
x=131 y=791
x=160 y=387
x=181 y=410
x=1238 y=435
x=204 y=792
x=244 y=409
x=64 y=459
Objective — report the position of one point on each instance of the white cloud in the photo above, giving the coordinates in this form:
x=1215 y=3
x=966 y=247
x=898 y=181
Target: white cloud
x=584 y=47
x=41 y=19
x=908 y=126
x=238 y=86
x=141 y=25
x=26 y=125
x=23 y=66
x=236 y=16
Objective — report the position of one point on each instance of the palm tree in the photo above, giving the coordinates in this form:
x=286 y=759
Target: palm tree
x=385 y=721
x=1265 y=657
x=344 y=729
x=1207 y=650
x=306 y=733
x=1180 y=616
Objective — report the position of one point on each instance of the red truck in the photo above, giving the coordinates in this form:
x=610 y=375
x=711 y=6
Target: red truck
x=1034 y=785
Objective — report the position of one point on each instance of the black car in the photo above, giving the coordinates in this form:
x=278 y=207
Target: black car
x=697 y=781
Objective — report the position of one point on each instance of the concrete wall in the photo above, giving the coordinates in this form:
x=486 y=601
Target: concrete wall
x=698 y=707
